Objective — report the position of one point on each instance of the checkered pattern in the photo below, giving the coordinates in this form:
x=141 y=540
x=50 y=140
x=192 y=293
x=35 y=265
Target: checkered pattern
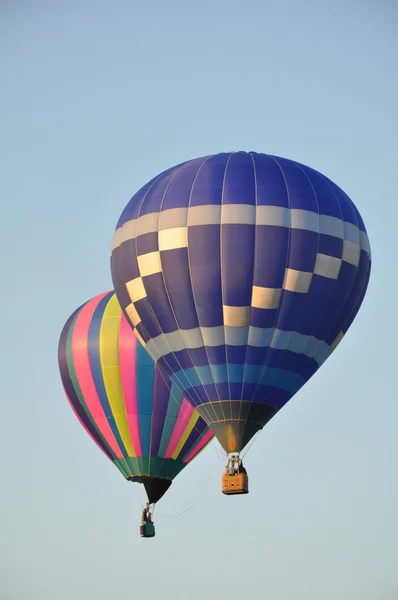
x=240 y=273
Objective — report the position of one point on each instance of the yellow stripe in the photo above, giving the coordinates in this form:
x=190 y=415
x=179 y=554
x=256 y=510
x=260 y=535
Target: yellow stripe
x=192 y=422
x=109 y=357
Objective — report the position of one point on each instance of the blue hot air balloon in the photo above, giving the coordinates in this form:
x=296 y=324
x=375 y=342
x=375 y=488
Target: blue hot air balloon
x=241 y=273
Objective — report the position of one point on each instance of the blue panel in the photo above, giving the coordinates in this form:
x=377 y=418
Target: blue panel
x=220 y=373
x=315 y=302
x=292 y=361
x=331 y=246
x=346 y=206
x=147 y=243
x=216 y=355
x=128 y=259
x=179 y=191
x=263 y=318
x=173 y=407
x=154 y=197
x=237 y=263
x=326 y=198
x=198 y=356
x=254 y=356
x=271 y=245
x=158 y=300
x=178 y=285
x=239 y=185
x=291 y=306
x=236 y=354
x=302 y=250
x=301 y=192
x=333 y=314
x=267 y=394
x=271 y=186
x=184 y=359
x=353 y=300
x=208 y=185
x=144 y=384
x=149 y=320
x=205 y=271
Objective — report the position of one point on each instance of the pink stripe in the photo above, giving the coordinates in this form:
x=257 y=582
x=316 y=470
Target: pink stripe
x=84 y=376
x=127 y=355
x=184 y=416
x=199 y=447
x=84 y=427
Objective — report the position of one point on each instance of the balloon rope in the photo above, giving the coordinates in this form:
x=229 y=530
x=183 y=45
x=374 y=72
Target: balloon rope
x=250 y=445
x=198 y=498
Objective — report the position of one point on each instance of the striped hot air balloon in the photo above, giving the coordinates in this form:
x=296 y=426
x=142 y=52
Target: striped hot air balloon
x=128 y=406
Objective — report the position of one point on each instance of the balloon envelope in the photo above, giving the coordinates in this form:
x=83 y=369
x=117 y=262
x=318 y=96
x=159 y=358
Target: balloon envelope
x=128 y=406
x=241 y=273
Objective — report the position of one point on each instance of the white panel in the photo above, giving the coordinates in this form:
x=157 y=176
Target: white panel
x=204 y=215
x=280 y=339
x=277 y=216
x=351 y=253
x=327 y=266
x=304 y=219
x=236 y=316
x=117 y=238
x=213 y=336
x=170 y=239
x=158 y=347
x=129 y=230
x=236 y=336
x=149 y=264
x=260 y=338
x=241 y=214
x=297 y=281
x=331 y=226
x=136 y=289
x=133 y=314
x=266 y=298
x=147 y=223
x=313 y=347
x=173 y=217
x=351 y=233
x=298 y=342
x=365 y=245
x=175 y=341
x=192 y=337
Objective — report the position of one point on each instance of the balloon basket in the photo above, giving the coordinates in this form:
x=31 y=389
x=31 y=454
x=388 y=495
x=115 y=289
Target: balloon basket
x=235 y=484
x=147 y=530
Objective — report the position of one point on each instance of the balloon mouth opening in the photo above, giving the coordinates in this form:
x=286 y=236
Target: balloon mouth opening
x=155 y=487
x=235 y=423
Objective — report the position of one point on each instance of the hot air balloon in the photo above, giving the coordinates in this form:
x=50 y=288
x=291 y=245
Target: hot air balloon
x=241 y=273
x=129 y=407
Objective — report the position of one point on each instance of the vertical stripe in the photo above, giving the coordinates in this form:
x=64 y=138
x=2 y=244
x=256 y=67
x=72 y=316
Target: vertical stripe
x=192 y=423
x=128 y=377
x=173 y=407
x=109 y=359
x=145 y=375
x=81 y=363
x=183 y=419
x=205 y=440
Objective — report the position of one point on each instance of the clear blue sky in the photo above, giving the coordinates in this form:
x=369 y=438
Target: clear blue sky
x=96 y=98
